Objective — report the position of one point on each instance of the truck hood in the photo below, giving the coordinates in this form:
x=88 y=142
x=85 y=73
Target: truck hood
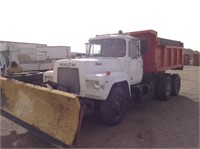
x=93 y=65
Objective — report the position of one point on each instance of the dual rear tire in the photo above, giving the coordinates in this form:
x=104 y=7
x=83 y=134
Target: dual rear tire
x=168 y=85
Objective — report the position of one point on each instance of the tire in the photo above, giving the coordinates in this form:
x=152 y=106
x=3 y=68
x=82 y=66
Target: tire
x=114 y=107
x=164 y=87
x=176 y=84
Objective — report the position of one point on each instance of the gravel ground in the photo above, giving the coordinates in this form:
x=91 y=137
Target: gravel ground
x=150 y=124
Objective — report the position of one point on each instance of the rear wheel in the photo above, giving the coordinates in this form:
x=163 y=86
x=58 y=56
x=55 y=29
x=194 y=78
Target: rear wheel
x=114 y=107
x=176 y=84
x=164 y=87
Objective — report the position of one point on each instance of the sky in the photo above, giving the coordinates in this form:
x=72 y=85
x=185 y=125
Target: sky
x=73 y=22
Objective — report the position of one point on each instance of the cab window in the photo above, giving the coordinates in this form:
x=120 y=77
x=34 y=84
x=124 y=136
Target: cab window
x=133 y=48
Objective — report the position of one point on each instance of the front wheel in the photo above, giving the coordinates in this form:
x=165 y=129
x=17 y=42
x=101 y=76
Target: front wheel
x=114 y=107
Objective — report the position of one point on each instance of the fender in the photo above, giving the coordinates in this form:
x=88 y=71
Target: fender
x=117 y=77
x=106 y=82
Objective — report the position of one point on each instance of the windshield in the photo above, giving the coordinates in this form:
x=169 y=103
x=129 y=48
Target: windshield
x=113 y=47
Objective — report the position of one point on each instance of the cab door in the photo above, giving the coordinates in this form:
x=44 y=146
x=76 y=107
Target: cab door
x=135 y=62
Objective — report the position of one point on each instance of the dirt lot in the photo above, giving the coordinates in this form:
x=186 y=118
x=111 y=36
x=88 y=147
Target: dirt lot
x=150 y=124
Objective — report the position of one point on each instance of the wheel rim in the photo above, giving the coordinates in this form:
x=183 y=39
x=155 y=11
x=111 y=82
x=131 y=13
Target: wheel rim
x=118 y=107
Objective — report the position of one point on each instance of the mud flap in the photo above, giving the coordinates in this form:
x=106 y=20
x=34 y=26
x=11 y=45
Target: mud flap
x=50 y=114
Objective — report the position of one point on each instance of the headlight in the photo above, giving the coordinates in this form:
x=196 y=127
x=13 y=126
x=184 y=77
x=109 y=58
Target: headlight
x=96 y=85
x=48 y=78
x=92 y=84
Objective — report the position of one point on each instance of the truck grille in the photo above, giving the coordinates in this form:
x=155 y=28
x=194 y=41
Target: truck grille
x=68 y=80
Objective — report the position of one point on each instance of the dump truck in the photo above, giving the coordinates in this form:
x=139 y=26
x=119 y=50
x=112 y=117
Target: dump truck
x=119 y=70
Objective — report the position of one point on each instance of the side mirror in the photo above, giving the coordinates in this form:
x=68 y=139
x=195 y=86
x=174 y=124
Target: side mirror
x=143 y=46
x=87 y=48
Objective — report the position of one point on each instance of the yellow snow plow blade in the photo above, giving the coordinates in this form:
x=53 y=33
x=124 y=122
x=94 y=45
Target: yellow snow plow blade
x=50 y=114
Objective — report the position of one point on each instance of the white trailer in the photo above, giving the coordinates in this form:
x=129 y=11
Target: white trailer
x=53 y=52
x=19 y=52
x=32 y=56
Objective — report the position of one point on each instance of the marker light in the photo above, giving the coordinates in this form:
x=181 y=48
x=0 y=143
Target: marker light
x=108 y=72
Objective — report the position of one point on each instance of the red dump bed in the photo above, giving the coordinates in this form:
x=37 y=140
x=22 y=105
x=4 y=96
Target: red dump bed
x=162 y=54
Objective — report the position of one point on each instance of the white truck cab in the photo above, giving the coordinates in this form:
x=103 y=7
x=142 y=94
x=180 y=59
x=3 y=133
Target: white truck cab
x=111 y=59
x=113 y=64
